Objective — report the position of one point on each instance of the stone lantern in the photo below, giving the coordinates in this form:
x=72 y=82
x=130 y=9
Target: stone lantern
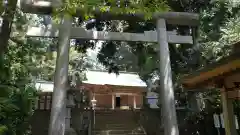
x=70 y=104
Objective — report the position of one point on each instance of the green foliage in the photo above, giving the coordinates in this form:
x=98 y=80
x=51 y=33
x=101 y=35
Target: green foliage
x=18 y=67
x=16 y=110
x=78 y=64
x=229 y=34
x=116 y=7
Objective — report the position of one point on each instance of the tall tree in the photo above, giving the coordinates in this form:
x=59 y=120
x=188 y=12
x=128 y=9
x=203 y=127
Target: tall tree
x=17 y=70
x=7 y=11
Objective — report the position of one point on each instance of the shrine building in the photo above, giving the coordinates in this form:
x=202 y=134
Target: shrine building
x=108 y=90
x=112 y=91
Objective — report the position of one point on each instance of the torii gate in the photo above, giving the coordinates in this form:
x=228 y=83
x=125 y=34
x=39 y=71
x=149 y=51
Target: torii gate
x=65 y=31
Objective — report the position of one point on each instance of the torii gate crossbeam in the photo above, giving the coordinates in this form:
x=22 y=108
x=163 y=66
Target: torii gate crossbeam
x=162 y=37
x=81 y=33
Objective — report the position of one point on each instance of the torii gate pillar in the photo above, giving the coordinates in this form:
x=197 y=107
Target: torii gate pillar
x=166 y=85
x=58 y=112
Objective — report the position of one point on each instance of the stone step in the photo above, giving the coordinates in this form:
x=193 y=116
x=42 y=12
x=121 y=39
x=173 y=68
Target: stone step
x=115 y=118
x=110 y=124
x=116 y=127
x=106 y=114
x=117 y=123
x=122 y=134
x=113 y=114
x=125 y=125
x=125 y=117
x=119 y=132
x=113 y=122
x=117 y=115
x=104 y=128
x=120 y=125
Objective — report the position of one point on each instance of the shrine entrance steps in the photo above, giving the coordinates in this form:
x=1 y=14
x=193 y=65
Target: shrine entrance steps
x=116 y=122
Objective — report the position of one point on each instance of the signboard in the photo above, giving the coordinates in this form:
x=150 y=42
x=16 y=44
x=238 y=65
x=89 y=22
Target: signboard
x=222 y=120
x=236 y=122
x=216 y=120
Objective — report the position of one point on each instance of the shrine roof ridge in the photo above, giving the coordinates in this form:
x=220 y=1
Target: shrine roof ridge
x=121 y=79
x=125 y=72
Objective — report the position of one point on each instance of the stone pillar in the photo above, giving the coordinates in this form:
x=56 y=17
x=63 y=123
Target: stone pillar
x=58 y=111
x=134 y=102
x=68 y=118
x=228 y=114
x=70 y=105
x=113 y=101
x=166 y=86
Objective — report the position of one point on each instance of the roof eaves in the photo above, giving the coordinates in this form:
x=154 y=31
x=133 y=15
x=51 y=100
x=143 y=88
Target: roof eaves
x=210 y=68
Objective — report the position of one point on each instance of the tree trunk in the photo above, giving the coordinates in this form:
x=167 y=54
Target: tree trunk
x=7 y=24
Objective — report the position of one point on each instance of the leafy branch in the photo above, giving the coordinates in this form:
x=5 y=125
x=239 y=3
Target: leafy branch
x=87 y=7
